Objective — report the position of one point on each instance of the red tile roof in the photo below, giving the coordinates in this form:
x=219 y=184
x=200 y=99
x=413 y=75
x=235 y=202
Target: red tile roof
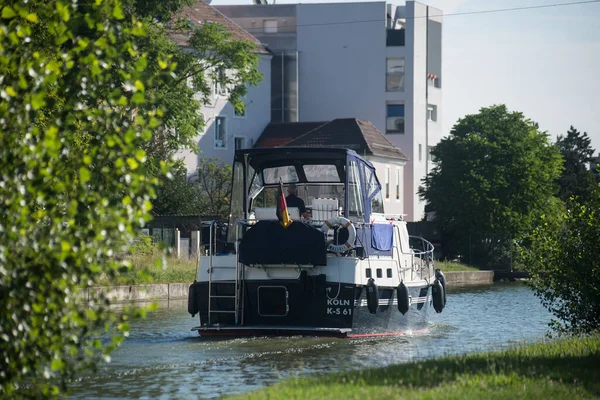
x=358 y=135
x=200 y=13
x=280 y=133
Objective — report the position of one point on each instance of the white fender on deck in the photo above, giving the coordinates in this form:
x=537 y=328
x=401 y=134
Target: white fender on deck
x=345 y=223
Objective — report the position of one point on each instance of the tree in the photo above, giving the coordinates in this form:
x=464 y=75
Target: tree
x=495 y=173
x=213 y=183
x=562 y=256
x=576 y=179
x=207 y=192
x=211 y=58
x=74 y=188
x=176 y=194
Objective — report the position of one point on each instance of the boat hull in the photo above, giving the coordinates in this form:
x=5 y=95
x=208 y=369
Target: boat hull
x=307 y=306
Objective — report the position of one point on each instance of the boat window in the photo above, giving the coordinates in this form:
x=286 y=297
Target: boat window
x=321 y=173
x=355 y=208
x=255 y=181
x=287 y=173
x=237 y=194
x=377 y=203
x=371 y=182
x=267 y=197
x=374 y=192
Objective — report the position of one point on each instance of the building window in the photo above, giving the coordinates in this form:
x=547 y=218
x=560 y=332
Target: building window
x=220 y=88
x=220 y=133
x=397 y=183
x=420 y=151
x=270 y=25
x=394 y=80
x=432 y=112
x=239 y=143
x=394 y=122
x=387 y=182
x=431 y=156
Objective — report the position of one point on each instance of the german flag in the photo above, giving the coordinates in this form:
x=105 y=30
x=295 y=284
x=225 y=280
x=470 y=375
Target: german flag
x=282 y=212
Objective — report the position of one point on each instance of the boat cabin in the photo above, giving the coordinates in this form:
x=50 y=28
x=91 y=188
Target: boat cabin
x=331 y=182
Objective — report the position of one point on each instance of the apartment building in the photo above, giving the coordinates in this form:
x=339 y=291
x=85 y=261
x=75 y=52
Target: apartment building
x=225 y=130
x=372 y=61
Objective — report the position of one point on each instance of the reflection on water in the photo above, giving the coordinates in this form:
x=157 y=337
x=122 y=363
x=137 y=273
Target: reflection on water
x=162 y=358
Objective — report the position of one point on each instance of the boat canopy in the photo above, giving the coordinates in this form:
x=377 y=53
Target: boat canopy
x=329 y=180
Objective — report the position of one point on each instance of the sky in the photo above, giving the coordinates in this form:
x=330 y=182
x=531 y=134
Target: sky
x=543 y=62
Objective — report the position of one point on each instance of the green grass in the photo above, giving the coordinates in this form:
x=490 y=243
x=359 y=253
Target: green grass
x=562 y=369
x=450 y=266
x=144 y=267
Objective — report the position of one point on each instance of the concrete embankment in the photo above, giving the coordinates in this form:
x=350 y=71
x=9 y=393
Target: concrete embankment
x=172 y=291
x=469 y=277
x=151 y=292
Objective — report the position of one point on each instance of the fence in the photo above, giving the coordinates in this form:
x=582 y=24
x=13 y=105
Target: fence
x=181 y=247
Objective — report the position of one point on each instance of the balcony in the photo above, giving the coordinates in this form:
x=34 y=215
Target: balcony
x=395 y=37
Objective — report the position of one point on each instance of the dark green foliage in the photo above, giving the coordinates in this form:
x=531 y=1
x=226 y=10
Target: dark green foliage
x=160 y=10
x=212 y=58
x=576 y=179
x=495 y=173
x=207 y=192
x=176 y=194
x=563 y=258
x=74 y=187
x=196 y=74
x=214 y=187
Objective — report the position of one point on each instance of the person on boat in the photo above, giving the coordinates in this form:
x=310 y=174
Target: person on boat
x=292 y=200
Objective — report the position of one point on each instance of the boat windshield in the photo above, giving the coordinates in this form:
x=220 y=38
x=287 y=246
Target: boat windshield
x=314 y=184
x=330 y=184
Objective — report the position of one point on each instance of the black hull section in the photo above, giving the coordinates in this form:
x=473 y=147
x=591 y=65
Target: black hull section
x=306 y=306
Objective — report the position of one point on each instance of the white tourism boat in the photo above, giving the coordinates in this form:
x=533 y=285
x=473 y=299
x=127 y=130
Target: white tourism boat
x=347 y=270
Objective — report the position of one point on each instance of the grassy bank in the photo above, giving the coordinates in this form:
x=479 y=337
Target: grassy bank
x=560 y=369
x=145 y=270
x=450 y=266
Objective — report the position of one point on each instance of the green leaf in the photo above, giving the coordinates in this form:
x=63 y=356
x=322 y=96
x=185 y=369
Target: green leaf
x=57 y=364
x=32 y=18
x=8 y=13
x=118 y=11
x=139 y=86
x=132 y=163
x=84 y=175
x=138 y=98
x=37 y=101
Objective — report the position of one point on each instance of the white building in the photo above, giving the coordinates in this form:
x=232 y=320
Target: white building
x=371 y=61
x=225 y=131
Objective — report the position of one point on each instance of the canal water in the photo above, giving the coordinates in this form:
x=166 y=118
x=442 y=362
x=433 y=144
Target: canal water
x=162 y=358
